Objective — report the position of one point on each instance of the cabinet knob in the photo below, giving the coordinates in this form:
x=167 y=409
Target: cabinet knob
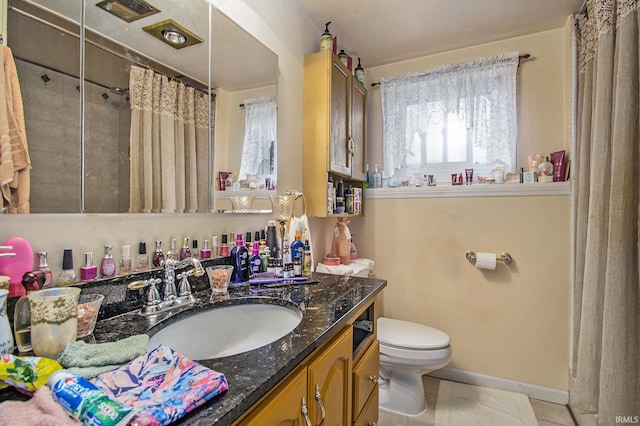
x=305 y=412
x=372 y=424
x=374 y=379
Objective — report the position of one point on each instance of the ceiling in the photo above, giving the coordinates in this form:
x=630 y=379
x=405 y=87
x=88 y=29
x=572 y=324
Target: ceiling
x=384 y=31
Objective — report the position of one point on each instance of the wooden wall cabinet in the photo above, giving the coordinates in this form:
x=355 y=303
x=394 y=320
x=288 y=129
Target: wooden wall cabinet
x=334 y=129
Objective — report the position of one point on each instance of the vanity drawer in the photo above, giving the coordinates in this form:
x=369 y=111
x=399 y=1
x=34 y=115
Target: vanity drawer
x=369 y=414
x=365 y=378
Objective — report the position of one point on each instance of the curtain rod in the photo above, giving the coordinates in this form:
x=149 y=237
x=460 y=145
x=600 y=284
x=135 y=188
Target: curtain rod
x=520 y=59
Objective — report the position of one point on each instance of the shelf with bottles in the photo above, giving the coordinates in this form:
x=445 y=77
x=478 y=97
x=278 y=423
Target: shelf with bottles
x=345 y=196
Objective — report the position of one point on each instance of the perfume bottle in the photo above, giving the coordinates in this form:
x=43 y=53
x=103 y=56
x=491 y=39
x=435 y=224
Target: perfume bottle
x=142 y=261
x=108 y=265
x=44 y=267
x=125 y=260
x=185 y=251
x=89 y=271
x=68 y=275
x=172 y=253
x=158 y=255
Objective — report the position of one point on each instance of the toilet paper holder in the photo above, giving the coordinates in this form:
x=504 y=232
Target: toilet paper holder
x=504 y=258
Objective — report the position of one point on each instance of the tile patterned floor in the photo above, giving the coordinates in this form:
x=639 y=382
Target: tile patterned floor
x=547 y=413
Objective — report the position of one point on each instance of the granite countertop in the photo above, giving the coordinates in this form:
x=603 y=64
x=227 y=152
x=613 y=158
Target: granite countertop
x=326 y=308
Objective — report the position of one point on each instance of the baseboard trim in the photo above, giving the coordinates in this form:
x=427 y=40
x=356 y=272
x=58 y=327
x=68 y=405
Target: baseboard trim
x=544 y=393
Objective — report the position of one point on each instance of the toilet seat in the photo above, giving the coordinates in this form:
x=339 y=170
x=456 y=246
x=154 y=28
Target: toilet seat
x=405 y=336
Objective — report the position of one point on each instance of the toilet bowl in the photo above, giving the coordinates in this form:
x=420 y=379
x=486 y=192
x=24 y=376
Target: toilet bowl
x=408 y=351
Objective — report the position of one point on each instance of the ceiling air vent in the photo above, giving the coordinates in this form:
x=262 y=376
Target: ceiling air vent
x=128 y=10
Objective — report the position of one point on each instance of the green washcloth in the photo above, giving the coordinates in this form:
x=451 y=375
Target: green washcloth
x=84 y=355
x=91 y=372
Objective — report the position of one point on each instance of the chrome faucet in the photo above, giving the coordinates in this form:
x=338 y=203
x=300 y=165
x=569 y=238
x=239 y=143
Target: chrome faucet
x=171 y=298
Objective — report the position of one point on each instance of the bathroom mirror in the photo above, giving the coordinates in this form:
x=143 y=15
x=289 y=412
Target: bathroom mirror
x=46 y=46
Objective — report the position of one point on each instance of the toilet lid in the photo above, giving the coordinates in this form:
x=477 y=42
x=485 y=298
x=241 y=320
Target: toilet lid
x=410 y=335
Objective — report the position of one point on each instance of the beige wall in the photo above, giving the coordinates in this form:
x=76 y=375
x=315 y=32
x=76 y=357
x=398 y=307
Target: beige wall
x=513 y=322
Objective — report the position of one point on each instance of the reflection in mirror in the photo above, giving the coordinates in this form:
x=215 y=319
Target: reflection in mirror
x=239 y=63
x=51 y=101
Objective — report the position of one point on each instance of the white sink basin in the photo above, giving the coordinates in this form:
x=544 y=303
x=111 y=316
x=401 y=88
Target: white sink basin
x=227 y=330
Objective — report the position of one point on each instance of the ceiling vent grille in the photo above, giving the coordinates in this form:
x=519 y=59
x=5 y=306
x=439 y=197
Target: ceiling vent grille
x=128 y=10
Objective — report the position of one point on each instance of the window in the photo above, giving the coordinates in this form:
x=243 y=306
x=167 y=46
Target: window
x=259 y=146
x=451 y=118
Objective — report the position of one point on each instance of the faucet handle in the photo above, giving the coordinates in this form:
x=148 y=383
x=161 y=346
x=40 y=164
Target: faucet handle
x=184 y=289
x=153 y=295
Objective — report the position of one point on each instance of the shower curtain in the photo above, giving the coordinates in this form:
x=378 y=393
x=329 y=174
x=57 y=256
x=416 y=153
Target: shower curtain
x=604 y=384
x=168 y=145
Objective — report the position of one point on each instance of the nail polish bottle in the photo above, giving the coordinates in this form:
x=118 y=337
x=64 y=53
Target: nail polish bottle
x=125 y=260
x=205 y=253
x=194 y=249
x=44 y=267
x=89 y=271
x=247 y=241
x=108 y=265
x=142 y=261
x=158 y=255
x=68 y=275
x=185 y=251
x=224 y=248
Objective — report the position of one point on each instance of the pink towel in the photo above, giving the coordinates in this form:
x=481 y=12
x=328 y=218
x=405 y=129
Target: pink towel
x=41 y=410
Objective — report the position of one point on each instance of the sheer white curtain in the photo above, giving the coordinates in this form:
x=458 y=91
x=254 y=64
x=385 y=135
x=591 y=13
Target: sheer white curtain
x=168 y=145
x=481 y=92
x=259 y=135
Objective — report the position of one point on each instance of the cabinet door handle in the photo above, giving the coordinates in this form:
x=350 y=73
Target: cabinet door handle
x=374 y=379
x=305 y=412
x=353 y=147
x=319 y=402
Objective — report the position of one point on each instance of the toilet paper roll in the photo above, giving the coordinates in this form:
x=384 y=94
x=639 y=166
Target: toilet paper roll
x=486 y=261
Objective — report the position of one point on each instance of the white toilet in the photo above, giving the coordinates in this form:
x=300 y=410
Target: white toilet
x=408 y=351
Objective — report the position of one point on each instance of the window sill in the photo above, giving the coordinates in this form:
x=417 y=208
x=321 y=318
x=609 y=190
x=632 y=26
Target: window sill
x=476 y=190
x=260 y=194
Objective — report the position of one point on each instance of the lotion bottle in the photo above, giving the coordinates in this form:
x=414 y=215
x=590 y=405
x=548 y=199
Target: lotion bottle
x=255 y=262
x=125 y=260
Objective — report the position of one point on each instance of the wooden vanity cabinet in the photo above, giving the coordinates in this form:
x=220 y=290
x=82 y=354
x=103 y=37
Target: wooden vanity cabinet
x=334 y=129
x=340 y=377
x=321 y=385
